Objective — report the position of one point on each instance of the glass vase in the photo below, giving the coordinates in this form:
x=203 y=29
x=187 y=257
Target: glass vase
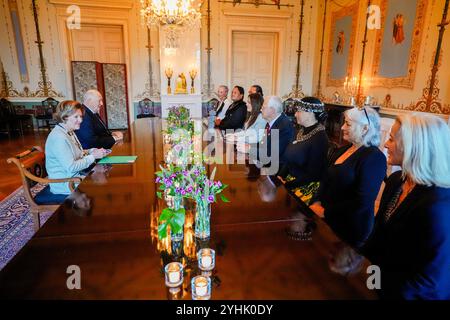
x=202 y=220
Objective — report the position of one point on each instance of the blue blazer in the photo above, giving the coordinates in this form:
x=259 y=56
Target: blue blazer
x=412 y=248
x=93 y=133
x=286 y=132
x=348 y=193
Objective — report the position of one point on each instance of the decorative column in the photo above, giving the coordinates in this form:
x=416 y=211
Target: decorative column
x=359 y=99
x=39 y=43
x=319 y=89
x=297 y=89
x=430 y=98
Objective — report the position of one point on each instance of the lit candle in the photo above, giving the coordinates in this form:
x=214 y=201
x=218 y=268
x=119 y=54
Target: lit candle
x=201 y=288
x=206 y=259
x=174 y=274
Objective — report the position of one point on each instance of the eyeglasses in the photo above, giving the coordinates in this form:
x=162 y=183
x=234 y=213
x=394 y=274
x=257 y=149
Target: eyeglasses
x=367 y=116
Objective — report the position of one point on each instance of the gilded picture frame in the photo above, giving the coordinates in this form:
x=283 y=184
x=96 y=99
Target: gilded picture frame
x=397 y=52
x=341 y=45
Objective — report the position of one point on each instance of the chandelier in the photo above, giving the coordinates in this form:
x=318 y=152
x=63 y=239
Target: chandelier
x=171 y=12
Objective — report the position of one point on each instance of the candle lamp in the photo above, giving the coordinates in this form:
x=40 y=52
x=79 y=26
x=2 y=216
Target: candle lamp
x=193 y=74
x=201 y=288
x=206 y=259
x=169 y=73
x=174 y=274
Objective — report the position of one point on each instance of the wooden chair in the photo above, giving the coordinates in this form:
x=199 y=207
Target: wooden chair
x=146 y=109
x=46 y=113
x=31 y=164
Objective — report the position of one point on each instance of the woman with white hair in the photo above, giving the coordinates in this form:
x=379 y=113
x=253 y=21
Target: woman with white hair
x=348 y=192
x=411 y=239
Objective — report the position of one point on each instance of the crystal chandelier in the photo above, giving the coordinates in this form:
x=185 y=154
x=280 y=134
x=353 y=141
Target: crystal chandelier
x=171 y=12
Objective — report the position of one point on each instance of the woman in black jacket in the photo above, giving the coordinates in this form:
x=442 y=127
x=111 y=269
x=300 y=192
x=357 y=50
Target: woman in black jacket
x=348 y=192
x=237 y=112
x=411 y=238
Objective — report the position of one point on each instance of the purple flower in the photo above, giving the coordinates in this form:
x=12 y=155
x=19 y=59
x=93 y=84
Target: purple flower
x=183 y=192
x=189 y=189
x=219 y=184
x=211 y=199
x=158 y=180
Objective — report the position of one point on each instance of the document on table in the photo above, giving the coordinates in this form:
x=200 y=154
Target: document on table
x=118 y=160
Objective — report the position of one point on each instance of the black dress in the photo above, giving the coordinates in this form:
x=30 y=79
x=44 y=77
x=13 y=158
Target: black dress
x=306 y=157
x=349 y=191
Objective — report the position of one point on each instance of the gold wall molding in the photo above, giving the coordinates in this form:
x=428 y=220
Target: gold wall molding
x=408 y=80
x=352 y=11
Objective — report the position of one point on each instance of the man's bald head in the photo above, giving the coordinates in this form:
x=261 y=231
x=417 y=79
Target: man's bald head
x=93 y=100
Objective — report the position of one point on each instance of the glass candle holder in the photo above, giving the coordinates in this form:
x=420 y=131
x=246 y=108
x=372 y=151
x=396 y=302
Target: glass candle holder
x=201 y=288
x=206 y=259
x=173 y=274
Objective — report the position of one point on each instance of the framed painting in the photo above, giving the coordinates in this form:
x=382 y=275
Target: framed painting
x=341 y=45
x=397 y=43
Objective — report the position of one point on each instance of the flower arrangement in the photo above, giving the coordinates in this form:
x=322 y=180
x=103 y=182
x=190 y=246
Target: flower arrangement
x=179 y=118
x=203 y=188
x=193 y=183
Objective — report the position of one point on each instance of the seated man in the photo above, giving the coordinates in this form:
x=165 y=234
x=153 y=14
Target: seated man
x=278 y=126
x=93 y=132
x=224 y=103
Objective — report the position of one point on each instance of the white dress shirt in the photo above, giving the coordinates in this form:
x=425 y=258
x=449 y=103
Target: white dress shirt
x=227 y=104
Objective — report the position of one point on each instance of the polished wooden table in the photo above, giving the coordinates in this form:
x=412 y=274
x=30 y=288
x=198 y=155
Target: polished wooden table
x=115 y=244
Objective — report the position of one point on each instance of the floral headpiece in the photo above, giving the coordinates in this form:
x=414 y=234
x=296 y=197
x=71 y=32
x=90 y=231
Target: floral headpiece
x=310 y=107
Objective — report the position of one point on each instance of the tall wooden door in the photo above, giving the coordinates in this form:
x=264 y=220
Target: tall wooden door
x=254 y=56
x=102 y=46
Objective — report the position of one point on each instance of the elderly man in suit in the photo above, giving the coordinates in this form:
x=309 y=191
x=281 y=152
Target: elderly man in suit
x=279 y=133
x=93 y=132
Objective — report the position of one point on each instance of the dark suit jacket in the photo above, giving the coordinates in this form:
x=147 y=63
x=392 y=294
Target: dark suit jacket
x=235 y=116
x=286 y=132
x=93 y=133
x=412 y=248
x=348 y=193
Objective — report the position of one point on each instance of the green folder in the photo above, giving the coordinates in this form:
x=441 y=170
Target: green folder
x=118 y=160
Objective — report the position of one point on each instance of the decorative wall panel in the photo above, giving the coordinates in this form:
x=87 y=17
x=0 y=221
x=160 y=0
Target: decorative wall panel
x=116 y=99
x=398 y=43
x=87 y=75
x=341 y=45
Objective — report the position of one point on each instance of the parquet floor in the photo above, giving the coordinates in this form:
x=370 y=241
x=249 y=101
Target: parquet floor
x=9 y=175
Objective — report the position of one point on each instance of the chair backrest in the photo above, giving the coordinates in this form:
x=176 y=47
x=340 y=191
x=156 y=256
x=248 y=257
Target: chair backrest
x=7 y=108
x=49 y=105
x=31 y=164
x=146 y=106
x=212 y=105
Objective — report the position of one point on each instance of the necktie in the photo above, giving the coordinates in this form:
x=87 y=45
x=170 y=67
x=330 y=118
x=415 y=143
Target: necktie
x=267 y=129
x=222 y=104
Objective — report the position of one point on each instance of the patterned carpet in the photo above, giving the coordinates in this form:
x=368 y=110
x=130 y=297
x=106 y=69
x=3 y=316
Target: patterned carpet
x=16 y=223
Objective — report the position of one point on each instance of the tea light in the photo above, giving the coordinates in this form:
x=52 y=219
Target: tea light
x=174 y=274
x=206 y=259
x=201 y=288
